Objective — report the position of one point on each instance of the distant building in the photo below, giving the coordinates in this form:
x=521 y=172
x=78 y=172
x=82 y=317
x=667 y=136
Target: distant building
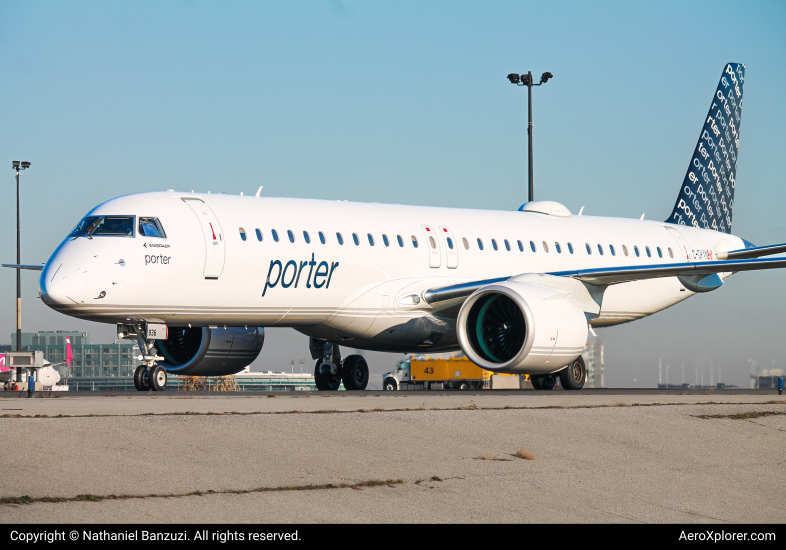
x=110 y=367
x=766 y=379
x=593 y=358
x=275 y=381
x=91 y=362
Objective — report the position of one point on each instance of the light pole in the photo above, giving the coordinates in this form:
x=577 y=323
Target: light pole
x=18 y=167
x=526 y=80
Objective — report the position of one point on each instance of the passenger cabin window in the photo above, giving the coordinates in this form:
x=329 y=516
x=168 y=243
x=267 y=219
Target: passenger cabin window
x=385 y=240
x=600 y=250
x=480 y=244
x=660 y=254
x=414 y=241
x=104 y=226
x=370 y=239
x=432 y=242
x=321 y=237
x=636 y=251
x=570 y=248
x=624 y=249
x=507 y=245
x=450 y=243
x=400 y=241
x=532 y=246
x=151 y=227
x=494 y=244
x=589 y=250
x=611 y=248
x=340 y=238
x=275 y=234
x=466 y=243
x=559 y=250
x=649 y=254
x=671 y=254
x=306 y=237
x=355 y=238
x=545 y=247
x=521 y=246
x=259 y=235
x=242 y=234
x=291 y=236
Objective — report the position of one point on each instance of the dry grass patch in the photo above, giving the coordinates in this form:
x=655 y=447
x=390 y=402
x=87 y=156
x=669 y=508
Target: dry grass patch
x=524 y=454
x=489 y=457
x=26 y=499
x=469 y=407
x=742 y=416
x=617 y=404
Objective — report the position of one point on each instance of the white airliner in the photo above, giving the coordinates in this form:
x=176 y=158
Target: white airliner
x=516 y=291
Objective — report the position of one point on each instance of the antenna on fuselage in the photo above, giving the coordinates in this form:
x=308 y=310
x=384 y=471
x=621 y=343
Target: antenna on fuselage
x=642 y=217
x=259 y=191
x=580 y=211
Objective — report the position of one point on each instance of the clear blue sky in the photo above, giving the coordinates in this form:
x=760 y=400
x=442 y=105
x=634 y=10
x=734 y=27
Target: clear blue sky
x=400 y=102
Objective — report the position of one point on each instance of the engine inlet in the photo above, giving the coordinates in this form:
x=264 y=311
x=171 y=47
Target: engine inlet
x=496 y=328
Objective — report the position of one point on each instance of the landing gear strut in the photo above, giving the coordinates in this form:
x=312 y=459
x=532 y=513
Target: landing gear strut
x=147 y=376
x=330 y=370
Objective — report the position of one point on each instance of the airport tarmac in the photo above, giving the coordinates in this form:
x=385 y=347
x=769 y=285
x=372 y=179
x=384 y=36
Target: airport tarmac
x=399 y=457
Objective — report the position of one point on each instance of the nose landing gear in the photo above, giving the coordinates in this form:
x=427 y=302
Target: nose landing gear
x=149 y=375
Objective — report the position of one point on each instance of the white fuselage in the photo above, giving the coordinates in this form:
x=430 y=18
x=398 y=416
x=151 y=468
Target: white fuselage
x=204 y=274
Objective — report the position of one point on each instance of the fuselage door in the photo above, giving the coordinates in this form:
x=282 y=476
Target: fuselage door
x=432 y=244
x=215 y=248
x=682 y=244
x=451 y=246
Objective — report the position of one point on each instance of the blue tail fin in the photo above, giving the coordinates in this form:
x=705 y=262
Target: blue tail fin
x=707 y=195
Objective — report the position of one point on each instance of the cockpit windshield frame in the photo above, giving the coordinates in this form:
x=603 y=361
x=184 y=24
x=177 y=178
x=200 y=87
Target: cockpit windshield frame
x=155 y=224
x=91 y=226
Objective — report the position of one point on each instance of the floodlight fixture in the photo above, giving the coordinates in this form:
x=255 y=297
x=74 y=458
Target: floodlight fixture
x=527 y=80
x=15 y=164
x=25 y=165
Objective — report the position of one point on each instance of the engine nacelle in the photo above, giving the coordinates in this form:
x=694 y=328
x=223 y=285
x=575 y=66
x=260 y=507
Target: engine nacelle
x=521 y=328
x=202 y=351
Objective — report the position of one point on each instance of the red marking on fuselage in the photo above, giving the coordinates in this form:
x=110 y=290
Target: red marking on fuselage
x=213 y=230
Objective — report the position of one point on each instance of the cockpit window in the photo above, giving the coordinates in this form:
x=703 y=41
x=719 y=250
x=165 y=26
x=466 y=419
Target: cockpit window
x=151 y=227
x=104 y=226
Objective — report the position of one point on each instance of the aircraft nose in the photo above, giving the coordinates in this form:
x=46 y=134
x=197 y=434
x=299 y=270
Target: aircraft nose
x=54 y=284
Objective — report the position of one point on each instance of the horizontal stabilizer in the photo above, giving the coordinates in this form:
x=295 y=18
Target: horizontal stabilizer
x=22 y=266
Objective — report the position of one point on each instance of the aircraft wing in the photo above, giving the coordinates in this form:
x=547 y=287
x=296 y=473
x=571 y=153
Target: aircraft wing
x=616 y=275
x=753 y=252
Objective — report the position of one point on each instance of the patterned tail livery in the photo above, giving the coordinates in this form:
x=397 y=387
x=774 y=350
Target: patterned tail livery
x=707 y=195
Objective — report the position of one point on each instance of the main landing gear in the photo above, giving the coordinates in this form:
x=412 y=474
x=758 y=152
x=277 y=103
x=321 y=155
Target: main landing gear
x=330 y=370
x=571 y=377
x=148 y=376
